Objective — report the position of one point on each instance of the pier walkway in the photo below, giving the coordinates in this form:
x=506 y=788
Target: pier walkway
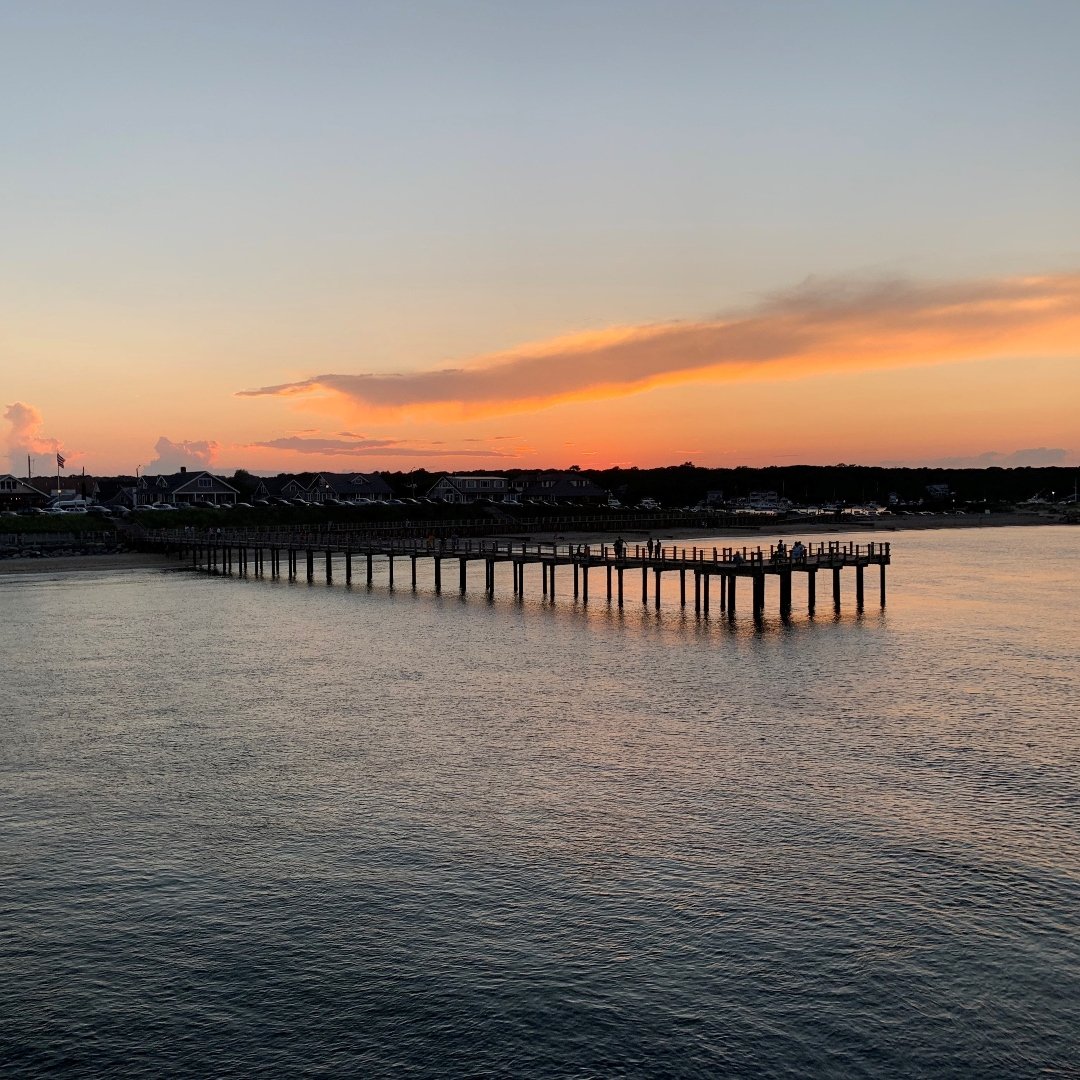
x=701 y=571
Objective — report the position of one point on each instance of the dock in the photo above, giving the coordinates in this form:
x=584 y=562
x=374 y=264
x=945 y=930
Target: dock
x=705 y=575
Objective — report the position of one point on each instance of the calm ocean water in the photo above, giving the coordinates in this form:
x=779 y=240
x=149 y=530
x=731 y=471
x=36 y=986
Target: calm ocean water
x=260 y=829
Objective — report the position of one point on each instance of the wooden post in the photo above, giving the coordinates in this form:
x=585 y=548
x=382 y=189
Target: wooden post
x=657 y=588
x=882 y=569
x=577 y=574
x=620 y=576
x=348 y=566
x=682 y=584
x=543 y=575
x=731 y=595
x=462 y=571
x=644 y=583
x=609 y=582
x=697 y=590
x=706 y=589
x=836 y=587
x=438 y=574
x=414 y=571
x=723 y=592
x=370 y=568
x=785 y=591
x=811 y=590
x=859 y=586
x=329 y=567
x=390 y=568
x=759 y=593
x=310 y=565
x=585 y=583
x=552 y=573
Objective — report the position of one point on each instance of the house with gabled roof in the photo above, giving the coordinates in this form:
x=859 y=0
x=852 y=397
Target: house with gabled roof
x=286 y=486
x=560 y=487
x=350 y=487
x=470 y=489
x=185 y=488
x=16 y=493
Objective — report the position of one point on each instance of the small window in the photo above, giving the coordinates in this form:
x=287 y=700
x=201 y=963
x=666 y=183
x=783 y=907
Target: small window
x=205 y=482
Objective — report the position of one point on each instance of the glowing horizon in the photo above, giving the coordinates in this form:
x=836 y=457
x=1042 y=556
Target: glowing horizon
x=380 y=237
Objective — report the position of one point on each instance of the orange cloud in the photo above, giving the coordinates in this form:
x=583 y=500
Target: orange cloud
x=25 y=436
x=819 y=327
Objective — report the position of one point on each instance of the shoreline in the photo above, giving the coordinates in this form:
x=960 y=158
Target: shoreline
x=133 y=560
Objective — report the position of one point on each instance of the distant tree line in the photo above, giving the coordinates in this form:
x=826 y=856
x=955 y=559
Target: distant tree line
x=688 y=484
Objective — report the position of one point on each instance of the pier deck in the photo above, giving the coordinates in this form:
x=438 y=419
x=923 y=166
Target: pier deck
x=707 y=569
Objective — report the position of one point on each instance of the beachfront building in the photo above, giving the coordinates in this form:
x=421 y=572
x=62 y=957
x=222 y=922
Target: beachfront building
x=560 y=487
x=470 y=489
x=350 y=487
x=16 y=494
x=185 y=489
x=284 y=487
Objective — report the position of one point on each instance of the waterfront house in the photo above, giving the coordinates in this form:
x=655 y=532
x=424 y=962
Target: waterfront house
x=350 y=487
x=16 y=494
x=185 y=488
x=470 y=489
x=560 y=487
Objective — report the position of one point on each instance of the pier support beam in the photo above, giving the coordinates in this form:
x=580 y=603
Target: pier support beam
x=836 y=587
x=759 y=593
x=370 y=569
x=620 y=575
x=329 y=567
x=657 y=588
x=785 y=592
x=310 y=565
x=348 y=567
x=859 y=587
x=414 y=571
x=644 y=584
x=390 y=569
x=438 y=574
x=811 y=590
x=462 y=573
x=882 y=569
x=732 y=579
x=585 y=583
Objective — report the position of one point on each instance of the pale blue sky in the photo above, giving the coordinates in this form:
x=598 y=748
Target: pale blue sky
x=380 y=186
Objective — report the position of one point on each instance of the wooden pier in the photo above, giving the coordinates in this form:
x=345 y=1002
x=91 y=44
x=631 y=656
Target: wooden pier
x=705 y=575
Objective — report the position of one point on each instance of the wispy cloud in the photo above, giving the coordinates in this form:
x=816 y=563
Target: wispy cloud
x=360 y=447
x=819 y=327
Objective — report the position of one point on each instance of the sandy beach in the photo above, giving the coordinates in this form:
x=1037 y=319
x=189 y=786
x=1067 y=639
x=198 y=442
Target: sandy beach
x=123 y=560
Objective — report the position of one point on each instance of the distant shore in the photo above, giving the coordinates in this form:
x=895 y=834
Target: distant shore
x=876 y=527
x=879 y=527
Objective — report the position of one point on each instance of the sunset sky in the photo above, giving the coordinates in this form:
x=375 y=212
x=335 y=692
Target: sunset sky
x=366 y=235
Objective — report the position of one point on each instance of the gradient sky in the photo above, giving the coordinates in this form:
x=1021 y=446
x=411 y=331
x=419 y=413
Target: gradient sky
x=383 y=235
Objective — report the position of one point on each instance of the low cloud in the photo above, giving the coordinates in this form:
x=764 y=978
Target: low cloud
x=171 y=455
x=1033 y=457
x=360 y=447
x=819 y=327
x=25 y=438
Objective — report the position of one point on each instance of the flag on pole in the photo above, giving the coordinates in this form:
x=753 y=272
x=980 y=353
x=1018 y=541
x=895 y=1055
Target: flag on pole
x=59 y=462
